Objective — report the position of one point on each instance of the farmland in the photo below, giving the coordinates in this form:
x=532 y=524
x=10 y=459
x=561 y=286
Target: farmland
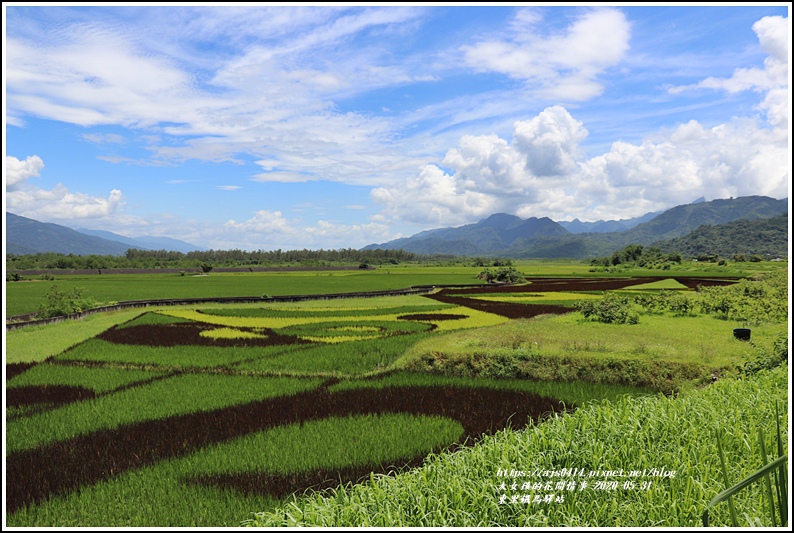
x=202 y=415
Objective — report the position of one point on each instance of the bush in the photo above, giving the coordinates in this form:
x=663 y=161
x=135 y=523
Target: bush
x=502 y=275
x=680 y=305
x=61 y=303
x=767 y=359
x=749 y=301
x=611 y=309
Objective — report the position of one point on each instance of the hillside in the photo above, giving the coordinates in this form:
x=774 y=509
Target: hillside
x=491 y=235
x=509 y=236
x=767 y=238
x=28 y=236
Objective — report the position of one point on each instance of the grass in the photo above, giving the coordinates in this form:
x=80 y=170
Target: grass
x=663 y=352
x=26 y=296
x=631 y=434
x=282 y=311
x=164 y=357
x=37 y=343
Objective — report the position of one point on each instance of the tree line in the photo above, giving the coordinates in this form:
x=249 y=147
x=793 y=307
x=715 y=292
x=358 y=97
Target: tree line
x=135 y=258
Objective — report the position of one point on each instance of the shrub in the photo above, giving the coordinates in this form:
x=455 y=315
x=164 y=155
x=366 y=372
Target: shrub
x=750 y=301
x=680 y=305
x=611 y=309
x=61 y=303
x=767 y=359
x=503 y=275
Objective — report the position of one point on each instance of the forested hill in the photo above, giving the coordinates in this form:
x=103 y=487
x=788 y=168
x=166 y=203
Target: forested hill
x=508 y=236
x=767 y=238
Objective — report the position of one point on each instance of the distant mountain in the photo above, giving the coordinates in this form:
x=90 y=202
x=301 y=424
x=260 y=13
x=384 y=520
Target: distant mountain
x=509 y=236
x=28 y=236
x=681 y=220
x=488 y=236
x=765 y=237
x=606 y=226
x=146 y=242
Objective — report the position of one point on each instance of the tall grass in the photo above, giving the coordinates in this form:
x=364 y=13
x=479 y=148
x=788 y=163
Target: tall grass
x=670 y=435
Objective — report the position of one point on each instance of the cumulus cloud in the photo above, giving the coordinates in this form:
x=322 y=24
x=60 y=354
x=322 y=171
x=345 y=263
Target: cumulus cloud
x=490 y=174
x=61 y=204
x=263 y=222
x=18 y=172
x=564 y=66
x=541 y=172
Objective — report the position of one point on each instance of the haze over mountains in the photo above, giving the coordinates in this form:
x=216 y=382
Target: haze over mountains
x=510 y=236
x=28 y=236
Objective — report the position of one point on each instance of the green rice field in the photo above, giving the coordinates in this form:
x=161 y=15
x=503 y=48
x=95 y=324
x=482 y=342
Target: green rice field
x=201 y=416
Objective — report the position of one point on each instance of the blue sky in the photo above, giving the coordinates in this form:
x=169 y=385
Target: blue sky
x=299 y=126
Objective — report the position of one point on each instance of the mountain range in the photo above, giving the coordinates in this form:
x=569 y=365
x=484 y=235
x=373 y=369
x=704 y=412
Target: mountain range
x=510 y=236
x=501 y=234
x=28 y=236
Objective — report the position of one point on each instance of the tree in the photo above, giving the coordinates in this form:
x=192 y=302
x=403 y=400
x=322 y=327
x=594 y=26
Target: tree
x=502 y=275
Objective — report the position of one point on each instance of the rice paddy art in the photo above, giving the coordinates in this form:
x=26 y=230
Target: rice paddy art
x=197 y=416
x=167 y=387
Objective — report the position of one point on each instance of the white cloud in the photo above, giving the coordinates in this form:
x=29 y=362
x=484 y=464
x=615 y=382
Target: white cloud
x=283 y=177
x=103 y=138
x=263 y=222
x=563 y=66
x=60 y=204
x=17 y=172
x=542 y=173
x=228 y=187
x=550 y=142
x=270 y=230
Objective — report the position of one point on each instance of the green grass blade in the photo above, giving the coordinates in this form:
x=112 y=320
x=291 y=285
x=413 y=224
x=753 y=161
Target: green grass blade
x=734 y=521
x=780 y=476
x=767 y=484
x=749 y=480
